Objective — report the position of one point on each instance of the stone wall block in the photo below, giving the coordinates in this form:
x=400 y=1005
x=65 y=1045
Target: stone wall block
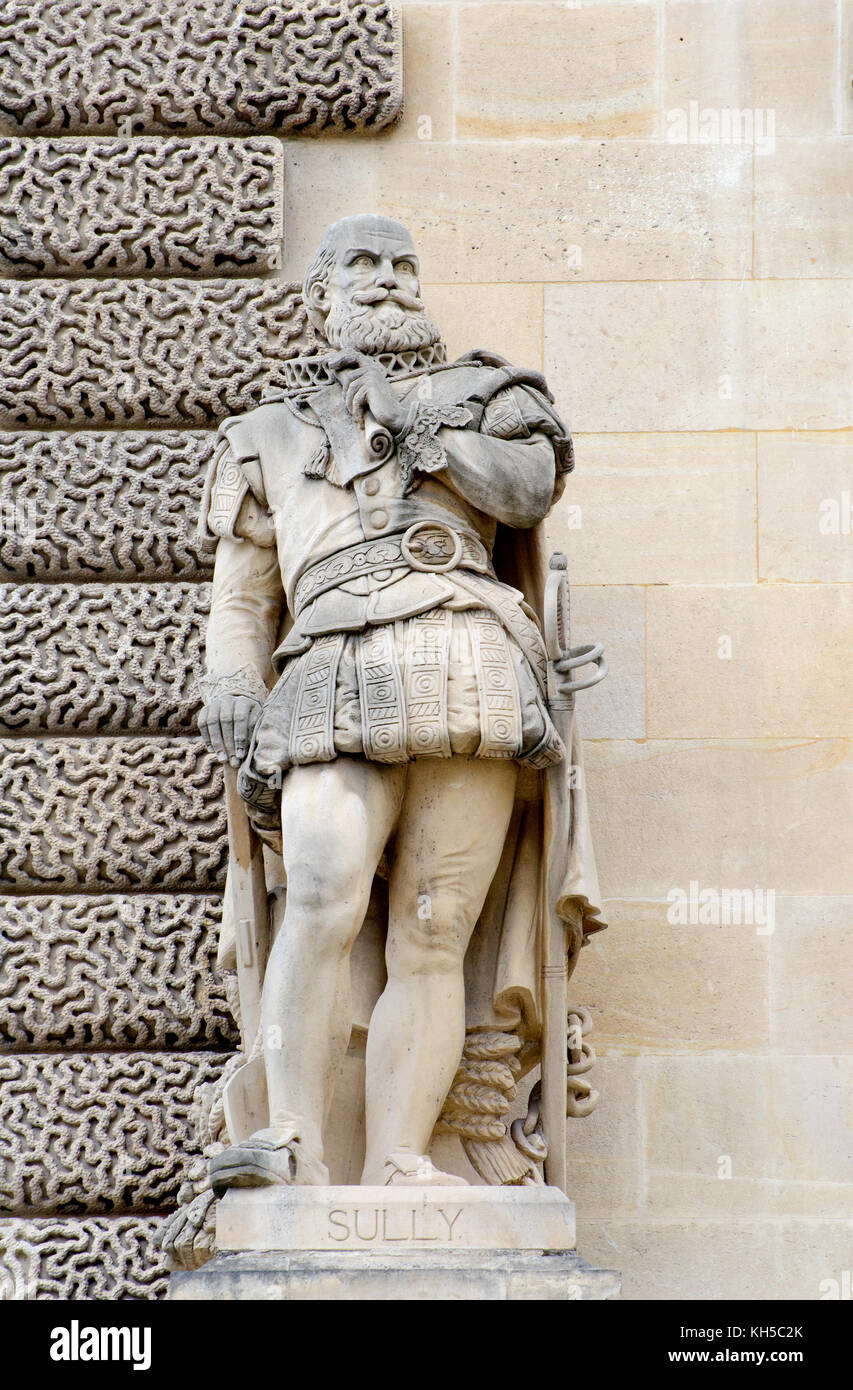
x=117 y=505
x=112 y=352
x=101 y=658
x=805 y=507
x=762 y=813
x=548 y=71
x=225 y=66
x=110 y=814
x=702 y=355
x=89 y=1132
x=719 y=661
x=111 y=972
x=140 y=206
x=658 y=509
x=579 y=210
x=99 y=1258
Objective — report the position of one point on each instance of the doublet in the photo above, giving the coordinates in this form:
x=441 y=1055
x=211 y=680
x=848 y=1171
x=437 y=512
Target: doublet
x=365 y=587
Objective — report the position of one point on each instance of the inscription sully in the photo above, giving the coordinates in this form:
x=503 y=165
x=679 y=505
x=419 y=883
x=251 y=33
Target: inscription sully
x=367 y=1224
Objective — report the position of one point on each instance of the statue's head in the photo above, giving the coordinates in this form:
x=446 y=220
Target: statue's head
x=362 y=289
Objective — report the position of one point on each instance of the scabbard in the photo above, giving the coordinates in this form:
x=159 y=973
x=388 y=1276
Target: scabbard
x=249 y=906
x=557 y=828
x=557 y=838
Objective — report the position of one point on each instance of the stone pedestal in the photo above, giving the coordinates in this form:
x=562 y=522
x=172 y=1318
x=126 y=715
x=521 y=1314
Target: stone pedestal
x=396 y=1243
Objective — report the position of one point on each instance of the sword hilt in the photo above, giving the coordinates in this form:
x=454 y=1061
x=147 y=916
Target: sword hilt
x=563 y=657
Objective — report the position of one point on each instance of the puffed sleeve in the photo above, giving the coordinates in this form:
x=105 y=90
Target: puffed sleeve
x=519 y=411
x=233 y=503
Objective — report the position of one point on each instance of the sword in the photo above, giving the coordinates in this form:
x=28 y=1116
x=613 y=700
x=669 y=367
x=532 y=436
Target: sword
x=562 y=661
x=249 y=906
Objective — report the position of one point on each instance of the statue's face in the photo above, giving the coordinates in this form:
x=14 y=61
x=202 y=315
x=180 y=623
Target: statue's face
x=371 y=298
x=375 y=263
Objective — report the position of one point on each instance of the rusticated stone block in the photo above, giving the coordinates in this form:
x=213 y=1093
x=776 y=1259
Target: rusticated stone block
x=110 y=814
x=117 y=505
x=140 y=207
x=101 y=658
x=99 y=1132
x=113 y=352
x=104 y=1258
x=233 y=66
x=121 y=972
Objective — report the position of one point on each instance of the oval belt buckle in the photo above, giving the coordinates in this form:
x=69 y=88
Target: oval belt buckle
x=444 y=533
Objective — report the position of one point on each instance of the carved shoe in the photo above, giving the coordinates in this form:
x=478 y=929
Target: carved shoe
x=403 y=1169
x=270 y=1158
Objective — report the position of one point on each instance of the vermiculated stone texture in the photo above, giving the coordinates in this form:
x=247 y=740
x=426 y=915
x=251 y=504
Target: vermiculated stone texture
x=89 y=1132
x=227 y=66
x=120 y=972
x=131 y=352
x=119 y=505
x=144 y=206
x=100 y=815
x=101 y=658
x=103 y=1258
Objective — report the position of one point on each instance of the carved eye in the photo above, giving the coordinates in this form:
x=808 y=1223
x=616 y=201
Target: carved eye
x=364 y=262
x=407 y=267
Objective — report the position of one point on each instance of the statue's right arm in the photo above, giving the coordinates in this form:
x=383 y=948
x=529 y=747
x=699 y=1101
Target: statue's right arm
x=245 y=612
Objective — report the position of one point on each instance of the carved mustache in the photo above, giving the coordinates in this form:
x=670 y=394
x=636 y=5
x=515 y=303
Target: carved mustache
x=377 y=296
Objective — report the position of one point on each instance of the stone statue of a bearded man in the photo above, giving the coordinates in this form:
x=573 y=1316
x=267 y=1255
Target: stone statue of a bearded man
x=377 y=672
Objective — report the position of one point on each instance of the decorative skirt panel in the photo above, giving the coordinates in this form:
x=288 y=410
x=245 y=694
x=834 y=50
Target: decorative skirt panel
x=443 y=683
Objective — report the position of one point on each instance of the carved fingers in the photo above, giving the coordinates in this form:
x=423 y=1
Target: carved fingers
x=226 y=723
x=245 y=714
x=357 y=397
x=366 y=387
x=187 y=1234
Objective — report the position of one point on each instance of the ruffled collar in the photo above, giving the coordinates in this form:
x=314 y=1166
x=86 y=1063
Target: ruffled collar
x=304 y=374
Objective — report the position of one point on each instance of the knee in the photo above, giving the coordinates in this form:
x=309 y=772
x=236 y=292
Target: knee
x=429 y=938
x=326 y=904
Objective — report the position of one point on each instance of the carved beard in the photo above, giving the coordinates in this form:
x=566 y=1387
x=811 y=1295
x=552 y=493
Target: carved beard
x=384 y=327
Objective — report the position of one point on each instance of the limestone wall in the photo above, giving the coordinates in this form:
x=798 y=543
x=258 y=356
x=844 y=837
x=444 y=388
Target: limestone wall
x=587 y=199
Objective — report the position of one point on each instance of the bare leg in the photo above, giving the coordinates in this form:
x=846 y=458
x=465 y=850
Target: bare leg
x=336 y=818
x=449 y=841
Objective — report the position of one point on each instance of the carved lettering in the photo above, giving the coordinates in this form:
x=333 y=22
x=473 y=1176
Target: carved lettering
x=385 y=1233
x=370 y=1225
x=451 y=1220
x=334 y=1220
x=366 y=1235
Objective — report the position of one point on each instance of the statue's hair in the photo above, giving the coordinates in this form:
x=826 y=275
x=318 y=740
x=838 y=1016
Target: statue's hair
x=320 y=269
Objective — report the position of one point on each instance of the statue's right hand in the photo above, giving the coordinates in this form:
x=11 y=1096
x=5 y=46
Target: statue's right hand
x=226 y=723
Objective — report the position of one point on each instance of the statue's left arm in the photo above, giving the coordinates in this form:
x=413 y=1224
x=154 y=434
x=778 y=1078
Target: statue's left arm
x=511 y=480
x=507 y=458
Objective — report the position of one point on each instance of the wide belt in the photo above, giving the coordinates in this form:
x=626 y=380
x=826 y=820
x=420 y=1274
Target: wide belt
x=433 y=547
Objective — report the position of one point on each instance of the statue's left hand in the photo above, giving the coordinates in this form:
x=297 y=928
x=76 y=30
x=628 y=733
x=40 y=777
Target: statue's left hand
x=366 y=387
